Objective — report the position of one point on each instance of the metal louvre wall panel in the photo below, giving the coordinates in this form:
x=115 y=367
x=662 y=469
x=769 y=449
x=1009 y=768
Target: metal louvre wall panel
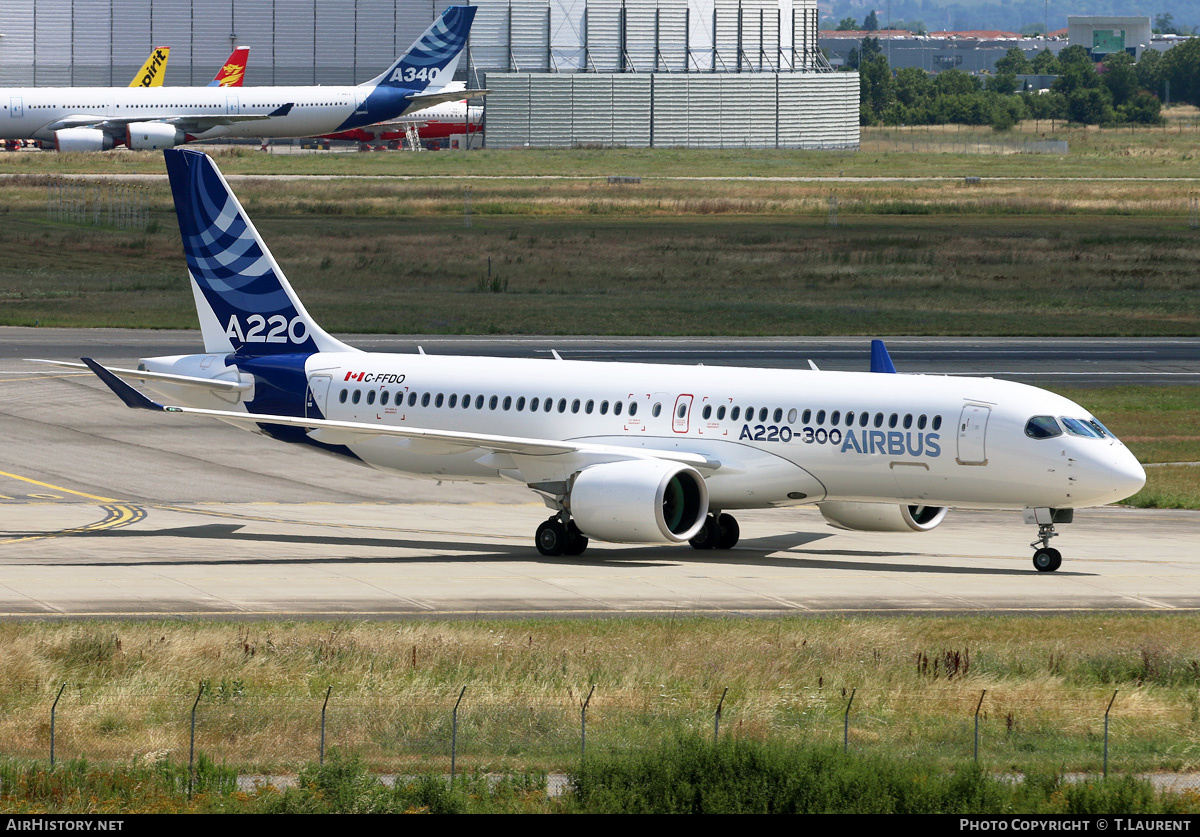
x=90 y=55
x=672 y=35
x=671 y=110
x=131 y=43
x=16 y=47
x=603 y=31
x=253 y=23
x=592 y=108
x=716 y=110
x=489 y=36
x=412 y=18
x=212 y=23
x=566 y=35
x=508 y=110
x=295 y=25
x=335 y=42
x=375 y=40
x=170 y=25
x=550 y=111
x=726 y=35
x=52 y=43
x=631 y=110
x=639 y=36
x=529 y=30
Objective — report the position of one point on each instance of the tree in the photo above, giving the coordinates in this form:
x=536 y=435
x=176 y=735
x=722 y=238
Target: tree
x=951 y=82
x=876 y=86
x=1149 y=69
x=847 y=24
x=913 y=86
x=871 y=22
x=1120 y=77
x=1075 y=54
x=870 y=46
x=1046 y=63
x=1141 y=107
x=1164 y=24
x=1014 y=61
x=1181 y=68
x=1002 y=83
x=1091 y=106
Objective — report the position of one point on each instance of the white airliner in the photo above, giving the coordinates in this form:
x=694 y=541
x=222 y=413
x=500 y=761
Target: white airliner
x=97 y=118
x=625 y=452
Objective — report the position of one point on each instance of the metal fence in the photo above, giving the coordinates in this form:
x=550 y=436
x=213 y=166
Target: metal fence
x=98 y=203
x=463 y=732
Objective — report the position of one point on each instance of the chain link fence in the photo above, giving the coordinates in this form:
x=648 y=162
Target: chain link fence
x=1087 y=728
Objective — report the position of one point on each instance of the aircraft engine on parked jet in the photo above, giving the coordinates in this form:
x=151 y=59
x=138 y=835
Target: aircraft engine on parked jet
x=152 y=136
x=82 y=139
x=639 y=501
x=881 y=517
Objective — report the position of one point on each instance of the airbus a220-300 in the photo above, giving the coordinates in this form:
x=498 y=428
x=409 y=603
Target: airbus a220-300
x=622 y=452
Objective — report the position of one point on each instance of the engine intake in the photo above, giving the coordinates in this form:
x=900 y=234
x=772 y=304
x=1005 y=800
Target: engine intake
x=881 y=517
x=639 y=501
x=82 y=139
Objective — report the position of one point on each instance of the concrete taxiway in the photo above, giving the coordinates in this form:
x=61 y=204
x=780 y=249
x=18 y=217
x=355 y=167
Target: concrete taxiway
x=106 y=511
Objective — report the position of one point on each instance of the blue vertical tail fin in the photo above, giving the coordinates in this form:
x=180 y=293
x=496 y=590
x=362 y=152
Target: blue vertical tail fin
x=881 y=361
x=430 y=62
x=244 y=301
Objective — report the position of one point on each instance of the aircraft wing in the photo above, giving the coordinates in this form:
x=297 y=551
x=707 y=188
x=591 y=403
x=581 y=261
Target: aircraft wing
x=425 y=100
x=192 y=122
x=164 y=377
x=430 y=441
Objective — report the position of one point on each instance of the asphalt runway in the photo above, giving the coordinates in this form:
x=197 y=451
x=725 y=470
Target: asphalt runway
x=106 y=511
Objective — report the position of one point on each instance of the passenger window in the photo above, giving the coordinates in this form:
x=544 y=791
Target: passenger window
x=835 y=417
x=437 y=402
x=588 y=407
x=342 y=397
x=682 y=411
x=792 y=416
x=778 y=415
x=907 y=421
x=425 y=400
x=863 y=418
x=879 y=419
x=617 y=408
x=412 y=399
x=892 y=419
x=562 y=405
x=547 y=405
x=604 y=408
x=356 y=396
x=493 y=401
x=478 y=402
x=657 y=410
x=807 y=417
x=1042 y=427
x=849 y=418
x=384 y=397
x=370 y=396
x=533 y=405
x=508 y=402
x=737 y=411
x=633 y=408
x=820 y=417
x=707 y=411
x=453 y=400
x=762 y=413
x=937 y=422
x=721 y=412
x=521 y=404
x=921 y=422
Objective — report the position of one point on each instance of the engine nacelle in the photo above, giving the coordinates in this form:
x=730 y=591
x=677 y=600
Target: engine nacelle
x=639 y=501
x=152 y=136
x=881 y=517
x=82 y=139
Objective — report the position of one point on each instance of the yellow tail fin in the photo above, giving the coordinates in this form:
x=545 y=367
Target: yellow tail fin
x=154 y=70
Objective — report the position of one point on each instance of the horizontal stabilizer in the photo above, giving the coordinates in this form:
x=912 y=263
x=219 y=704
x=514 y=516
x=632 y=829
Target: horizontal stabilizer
x=163 y=377
x=124 y=391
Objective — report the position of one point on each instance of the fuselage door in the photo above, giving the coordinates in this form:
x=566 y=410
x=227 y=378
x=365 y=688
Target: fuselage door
x=232 y=104
x=316 y=402
x=16 y=108
x=972 y=434
x=682 y=415
x=360 y=103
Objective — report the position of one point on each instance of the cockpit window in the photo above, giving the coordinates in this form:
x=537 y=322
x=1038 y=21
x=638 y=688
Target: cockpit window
x=1104 y=431
x=1076 y=427
x=1042 y=427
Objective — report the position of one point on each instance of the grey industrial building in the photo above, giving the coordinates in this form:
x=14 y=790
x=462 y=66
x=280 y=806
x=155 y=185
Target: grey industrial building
x=732 y=73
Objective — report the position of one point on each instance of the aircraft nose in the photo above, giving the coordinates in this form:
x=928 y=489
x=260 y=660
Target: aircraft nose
x=1126 y=474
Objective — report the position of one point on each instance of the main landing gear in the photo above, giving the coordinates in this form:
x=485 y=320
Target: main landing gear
x=555 y=537
x=720 y=531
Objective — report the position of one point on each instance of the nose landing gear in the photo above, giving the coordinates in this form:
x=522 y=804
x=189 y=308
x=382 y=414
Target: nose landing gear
x=1047 y=559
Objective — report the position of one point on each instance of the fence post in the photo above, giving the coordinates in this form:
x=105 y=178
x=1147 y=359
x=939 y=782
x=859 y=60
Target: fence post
x=846 y=722
x=1106 y=711
x=192 y=743
x=717 y=718
x=977 y=706
x=583 y=723
x=323 y=706
x=454 y=734
x=53 y=709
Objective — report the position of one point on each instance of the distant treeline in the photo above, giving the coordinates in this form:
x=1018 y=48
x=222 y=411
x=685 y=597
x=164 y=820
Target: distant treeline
x=1024 y=16
x=1115 y=92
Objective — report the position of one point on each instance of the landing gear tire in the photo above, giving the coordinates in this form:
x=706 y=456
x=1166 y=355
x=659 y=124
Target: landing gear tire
x=554 y=538
x=728 y=532
x=1047 y=559
x=709 y=536
x=577 y=542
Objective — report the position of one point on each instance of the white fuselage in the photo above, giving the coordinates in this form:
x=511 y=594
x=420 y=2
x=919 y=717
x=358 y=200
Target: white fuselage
x=782 y=437
x=35 y=113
